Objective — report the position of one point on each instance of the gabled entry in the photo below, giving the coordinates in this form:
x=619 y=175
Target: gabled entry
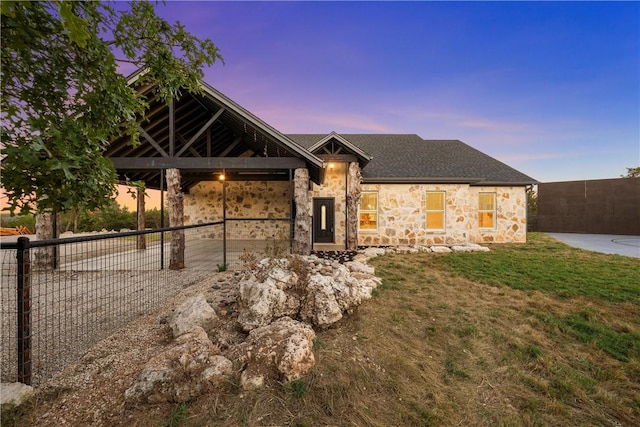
x=323 y=220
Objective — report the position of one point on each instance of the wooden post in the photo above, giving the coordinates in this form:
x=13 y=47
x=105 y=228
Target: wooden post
x=176 y=219
x=353 y=200
x=43 y=256
x=302 y=232
x=141 y=241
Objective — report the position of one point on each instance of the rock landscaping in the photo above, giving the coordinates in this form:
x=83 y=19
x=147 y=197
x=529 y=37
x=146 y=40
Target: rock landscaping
x=265 y=334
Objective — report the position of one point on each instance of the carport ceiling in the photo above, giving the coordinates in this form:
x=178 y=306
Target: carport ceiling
x=210 y=129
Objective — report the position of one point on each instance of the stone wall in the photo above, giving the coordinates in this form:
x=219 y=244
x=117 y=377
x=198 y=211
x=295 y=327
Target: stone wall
x=402 y=217
x=334 y=186
x=401 y=210
x=245 y=199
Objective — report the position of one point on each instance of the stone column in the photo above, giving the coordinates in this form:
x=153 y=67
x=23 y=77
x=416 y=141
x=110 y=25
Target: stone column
x=176 y=219
x=353 y=200
x=302 y=229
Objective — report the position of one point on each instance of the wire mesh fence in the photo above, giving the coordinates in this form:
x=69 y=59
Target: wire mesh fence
x=82 y=289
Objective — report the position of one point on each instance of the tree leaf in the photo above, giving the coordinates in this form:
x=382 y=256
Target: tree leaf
x=76 y=25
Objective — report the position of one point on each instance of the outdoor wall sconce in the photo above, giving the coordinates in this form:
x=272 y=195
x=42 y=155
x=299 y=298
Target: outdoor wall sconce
x=332 y=165
x=221 y=177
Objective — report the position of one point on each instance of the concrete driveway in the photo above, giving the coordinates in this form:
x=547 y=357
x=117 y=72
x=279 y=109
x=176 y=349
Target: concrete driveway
x=605 y=243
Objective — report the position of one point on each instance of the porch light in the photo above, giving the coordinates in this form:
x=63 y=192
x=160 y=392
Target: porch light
x=221 y=177
x=332 y=165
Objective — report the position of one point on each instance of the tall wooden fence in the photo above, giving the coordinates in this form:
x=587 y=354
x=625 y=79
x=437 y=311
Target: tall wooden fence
x=605 y=206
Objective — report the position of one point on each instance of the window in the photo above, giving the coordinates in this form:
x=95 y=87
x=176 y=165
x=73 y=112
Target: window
x=435 y=210
x=368 y=216
x=487 y=210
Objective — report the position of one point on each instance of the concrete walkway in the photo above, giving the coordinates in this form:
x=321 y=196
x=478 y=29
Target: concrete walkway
x=605 y=243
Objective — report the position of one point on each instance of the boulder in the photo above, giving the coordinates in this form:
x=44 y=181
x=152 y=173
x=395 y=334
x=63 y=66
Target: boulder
x=281 y=350
x=477 y=248
x=440 y=249
x=189 y=368
x=14 y=394
x=261 y=302
x=373 y=252
x=460 y=248
x=321 y=307
x=193 y=312
x=359 y=267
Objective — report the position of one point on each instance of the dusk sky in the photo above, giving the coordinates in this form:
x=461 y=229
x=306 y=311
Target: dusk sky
x=550 y=88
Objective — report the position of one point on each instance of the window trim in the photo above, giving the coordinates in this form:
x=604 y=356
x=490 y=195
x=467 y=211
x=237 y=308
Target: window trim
x=443 y=210
x=376 y=211
x=494 y=211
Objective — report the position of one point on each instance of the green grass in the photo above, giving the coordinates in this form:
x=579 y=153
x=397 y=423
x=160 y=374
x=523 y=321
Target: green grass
x=177 y=416
x=544 y=264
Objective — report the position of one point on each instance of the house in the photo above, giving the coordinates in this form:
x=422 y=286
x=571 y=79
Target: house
x=332 y=191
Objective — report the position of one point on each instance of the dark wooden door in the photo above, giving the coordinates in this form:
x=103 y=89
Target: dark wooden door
x=323 y=220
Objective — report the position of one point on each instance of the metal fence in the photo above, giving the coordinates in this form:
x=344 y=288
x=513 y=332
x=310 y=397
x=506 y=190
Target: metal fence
x=58 y=297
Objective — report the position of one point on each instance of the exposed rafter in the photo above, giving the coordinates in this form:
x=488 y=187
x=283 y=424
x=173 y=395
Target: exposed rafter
x=152 y=141
x=201 y=131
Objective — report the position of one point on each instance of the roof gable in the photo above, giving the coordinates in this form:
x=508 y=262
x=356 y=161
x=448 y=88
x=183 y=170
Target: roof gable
x=333 y=145
x=209 y=129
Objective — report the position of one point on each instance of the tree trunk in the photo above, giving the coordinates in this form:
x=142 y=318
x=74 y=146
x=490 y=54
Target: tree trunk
x=176 y=219
x=353 y=200
x=141 y=241
x=302 y=230
x=43 y=257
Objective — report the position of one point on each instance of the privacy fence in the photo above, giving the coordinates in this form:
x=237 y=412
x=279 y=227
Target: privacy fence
x=61 y=296
x=603 y=206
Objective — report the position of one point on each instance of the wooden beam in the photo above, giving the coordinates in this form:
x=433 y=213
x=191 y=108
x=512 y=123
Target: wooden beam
x=231 y=147
x=209 y=142
x=206 y=163
x=172 y=128
x=152 y=142
x=201 y=131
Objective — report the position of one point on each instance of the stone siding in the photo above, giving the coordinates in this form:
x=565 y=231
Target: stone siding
x=401 y=211
x=402 y=216
x=245 y=199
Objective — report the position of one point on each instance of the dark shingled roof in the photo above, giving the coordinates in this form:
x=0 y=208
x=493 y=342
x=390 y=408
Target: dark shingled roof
x=409 y=158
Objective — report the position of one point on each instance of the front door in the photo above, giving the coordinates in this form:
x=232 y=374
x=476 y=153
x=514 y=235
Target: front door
x=323 y=220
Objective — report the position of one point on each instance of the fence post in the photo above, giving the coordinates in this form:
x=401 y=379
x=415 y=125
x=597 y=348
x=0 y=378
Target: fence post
x=24 y=310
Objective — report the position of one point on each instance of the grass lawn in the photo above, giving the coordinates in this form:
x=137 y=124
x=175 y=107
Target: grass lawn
x=535 y=334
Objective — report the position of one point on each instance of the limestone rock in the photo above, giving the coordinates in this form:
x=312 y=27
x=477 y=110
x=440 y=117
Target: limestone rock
x=359 y=267
x=261 y=302
x=281 y=350
x=440 y=249
x=320 y=298
x=460 y=248
x=477 y=248
x=193 y=312
x=184 y=371
x=14 y=394
x=373 y=252
x=321 y=307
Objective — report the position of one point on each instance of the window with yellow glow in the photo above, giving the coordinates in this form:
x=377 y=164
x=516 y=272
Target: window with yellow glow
x=487 y=210
x=368 y=215
x=435 y=210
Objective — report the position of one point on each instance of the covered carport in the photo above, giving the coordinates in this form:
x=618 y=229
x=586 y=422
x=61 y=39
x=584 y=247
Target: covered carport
x=206 y=136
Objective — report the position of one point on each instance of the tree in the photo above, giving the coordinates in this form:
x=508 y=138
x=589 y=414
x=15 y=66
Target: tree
x=532 y=208
x=632 y=173
x=63 y=98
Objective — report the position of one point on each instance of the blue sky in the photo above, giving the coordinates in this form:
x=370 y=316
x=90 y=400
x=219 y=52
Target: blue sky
x=550 y=88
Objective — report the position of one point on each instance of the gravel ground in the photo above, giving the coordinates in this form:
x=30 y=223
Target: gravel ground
x=73 y=310
x=90 y=391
